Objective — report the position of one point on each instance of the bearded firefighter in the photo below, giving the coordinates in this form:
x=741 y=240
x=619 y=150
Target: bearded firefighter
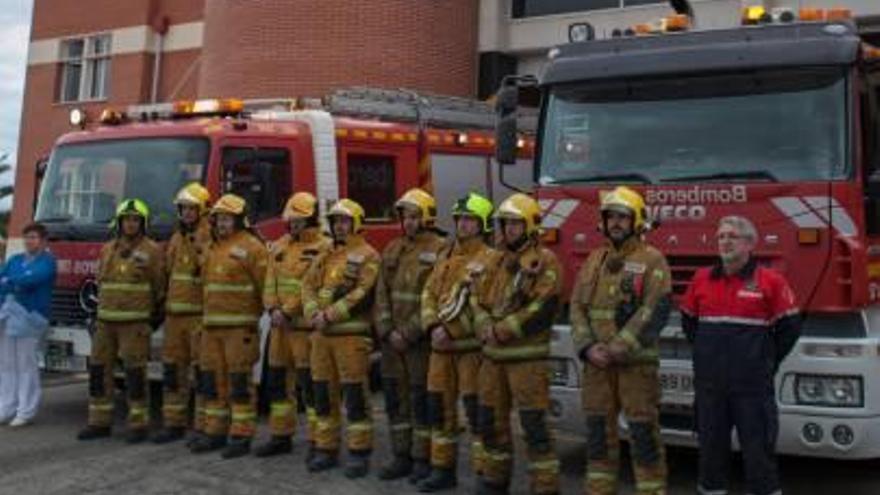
x=290 y=376
x=620 y=302
x=337 y=302
x=234 y=273
x=406 y=263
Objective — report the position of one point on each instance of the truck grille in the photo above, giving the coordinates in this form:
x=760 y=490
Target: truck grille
x=676 y=348
x=66 y=309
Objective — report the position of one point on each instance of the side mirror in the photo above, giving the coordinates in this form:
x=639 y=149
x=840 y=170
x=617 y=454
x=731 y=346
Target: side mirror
x=39 y=172
x=40 y=168
x=872 y=186
x=506 y=103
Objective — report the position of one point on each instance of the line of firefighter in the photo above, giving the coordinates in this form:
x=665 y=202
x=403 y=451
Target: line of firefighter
x=456 y=320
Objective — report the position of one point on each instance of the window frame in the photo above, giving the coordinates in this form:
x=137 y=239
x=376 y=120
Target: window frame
x=94 y=66
x=621 y=5
x=287 y=182
x=396 y=160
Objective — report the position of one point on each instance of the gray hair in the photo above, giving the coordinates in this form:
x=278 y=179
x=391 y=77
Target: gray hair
x=743 y=226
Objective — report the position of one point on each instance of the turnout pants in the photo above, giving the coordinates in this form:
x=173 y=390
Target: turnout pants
x=525 y=386
x=180 y=359
x=131 y=343
x=340 y=370
x=225 y=380
x=756 y=420
x=634 y=390
x=452 y=376
x=290 y=381
x=404 y=379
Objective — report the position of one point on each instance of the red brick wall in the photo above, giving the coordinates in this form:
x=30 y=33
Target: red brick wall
x=53 y=18
x=296 y=47
x=180 y=75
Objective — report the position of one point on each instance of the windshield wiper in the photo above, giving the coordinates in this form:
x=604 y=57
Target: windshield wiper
x=745 y=174
x=628 y=177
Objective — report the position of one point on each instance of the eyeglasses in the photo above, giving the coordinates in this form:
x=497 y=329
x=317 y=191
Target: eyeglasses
x=728 y=236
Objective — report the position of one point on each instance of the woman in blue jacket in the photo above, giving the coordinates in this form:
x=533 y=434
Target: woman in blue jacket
x=28 y=278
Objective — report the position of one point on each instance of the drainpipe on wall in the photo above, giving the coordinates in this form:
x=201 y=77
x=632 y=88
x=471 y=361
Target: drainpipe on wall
x=161 y=29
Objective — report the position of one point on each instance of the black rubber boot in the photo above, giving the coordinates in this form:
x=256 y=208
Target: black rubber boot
x=486 y=488
x=136 y=435
x=440 y=479
x=237 y=447
x=94 y=432
x=208 y=443
x=357 y=466
x=168 y=435
x=310 y=452
x=322 y=461
x=400 y=467
x=193 y=437
x=277 y=445
x=421 y=469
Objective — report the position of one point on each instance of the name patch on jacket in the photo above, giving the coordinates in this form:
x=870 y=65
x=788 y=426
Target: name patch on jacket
x=634 y=267
x=428 y=257
x=238 y=253
x=750 y=294
x=140 y=256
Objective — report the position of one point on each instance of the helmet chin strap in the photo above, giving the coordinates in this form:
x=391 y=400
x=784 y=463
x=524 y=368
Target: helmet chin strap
x=518 y=243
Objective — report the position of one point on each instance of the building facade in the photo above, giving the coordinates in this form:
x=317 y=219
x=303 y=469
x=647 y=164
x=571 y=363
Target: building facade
x=91 y=54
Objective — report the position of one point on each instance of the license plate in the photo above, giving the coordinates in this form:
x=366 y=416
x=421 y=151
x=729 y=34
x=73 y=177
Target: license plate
x=677 y=386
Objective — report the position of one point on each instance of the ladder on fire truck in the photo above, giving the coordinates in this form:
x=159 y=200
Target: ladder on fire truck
x=399 y=105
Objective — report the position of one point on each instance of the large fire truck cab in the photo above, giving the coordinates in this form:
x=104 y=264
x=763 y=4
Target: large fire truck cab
x=775 y=121
x=368 y=145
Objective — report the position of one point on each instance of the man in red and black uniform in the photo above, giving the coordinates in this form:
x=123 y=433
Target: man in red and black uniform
x=743 y=321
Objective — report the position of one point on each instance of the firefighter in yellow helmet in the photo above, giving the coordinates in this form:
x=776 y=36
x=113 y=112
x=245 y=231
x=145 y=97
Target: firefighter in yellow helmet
x=234 y=273
x=406 y=263
x=447 y=319
x=337 y=302
x=184 y=256
x=131 y=281
x=620 y=302
x=289 y=375
x=514 y=310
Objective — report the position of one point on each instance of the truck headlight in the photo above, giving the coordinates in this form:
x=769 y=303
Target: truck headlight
x=829 y=391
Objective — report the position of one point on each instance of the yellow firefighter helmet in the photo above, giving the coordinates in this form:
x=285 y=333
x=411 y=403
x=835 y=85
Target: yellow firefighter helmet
x=424 y=202
x=300 y=205
x=627 y=201
x=193 y=194
x=230 y=204
x=519 y=206
x=348 y=208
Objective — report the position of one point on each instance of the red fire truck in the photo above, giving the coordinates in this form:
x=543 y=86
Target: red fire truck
x=366 y=144
x=777 y=120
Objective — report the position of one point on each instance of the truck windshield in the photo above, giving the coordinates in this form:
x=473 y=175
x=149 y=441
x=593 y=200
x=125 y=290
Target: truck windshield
x=782 y=125
x=84 y=182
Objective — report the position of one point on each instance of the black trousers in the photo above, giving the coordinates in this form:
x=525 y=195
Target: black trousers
x=756 y=419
